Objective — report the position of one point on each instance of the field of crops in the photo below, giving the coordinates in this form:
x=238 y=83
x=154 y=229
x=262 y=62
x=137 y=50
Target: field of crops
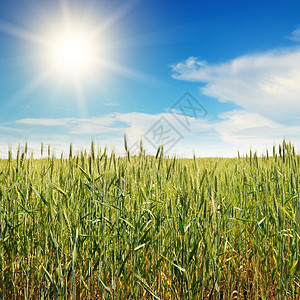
x=97 y=226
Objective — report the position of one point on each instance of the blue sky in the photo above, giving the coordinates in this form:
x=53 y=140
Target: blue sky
x=239 y=60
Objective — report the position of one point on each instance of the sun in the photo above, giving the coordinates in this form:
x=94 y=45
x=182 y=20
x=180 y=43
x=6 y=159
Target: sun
x=72 y=52
x=75 y=50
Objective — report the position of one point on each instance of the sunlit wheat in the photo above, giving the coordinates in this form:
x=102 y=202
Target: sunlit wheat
x=100 y=226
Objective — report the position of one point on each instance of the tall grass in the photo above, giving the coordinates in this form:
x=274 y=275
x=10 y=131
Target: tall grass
x=97 y=226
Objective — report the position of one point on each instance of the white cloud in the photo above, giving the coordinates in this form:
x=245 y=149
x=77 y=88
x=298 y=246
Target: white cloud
x=247 y=130
x=233 y=131
x=267 y=84
x=238 y=130
x=90 y=126
x=111 y=104
x=295 y=35
x=43 y=122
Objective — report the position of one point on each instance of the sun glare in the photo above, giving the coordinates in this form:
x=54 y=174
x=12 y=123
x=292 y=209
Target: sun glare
x=72 y=53
x=74 y=50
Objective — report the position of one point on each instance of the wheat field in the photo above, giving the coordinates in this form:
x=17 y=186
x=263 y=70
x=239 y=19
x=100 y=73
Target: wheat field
x=98 y=226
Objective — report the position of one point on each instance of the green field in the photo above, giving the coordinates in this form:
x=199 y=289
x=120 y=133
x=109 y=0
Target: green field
x=97 y=226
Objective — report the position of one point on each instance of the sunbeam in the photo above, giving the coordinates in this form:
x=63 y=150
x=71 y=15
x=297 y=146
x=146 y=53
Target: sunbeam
x=125 y=71
x=21 y=33
x=113 y=18
x=31 y=85
x=80 y=97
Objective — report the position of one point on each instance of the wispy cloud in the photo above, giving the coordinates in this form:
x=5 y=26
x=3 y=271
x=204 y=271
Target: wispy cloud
x=76 y=125
x=295 y=35
x=267 y=83
x=43 y=122
x=232 y=131
x=111 y=104
x=241 y=127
